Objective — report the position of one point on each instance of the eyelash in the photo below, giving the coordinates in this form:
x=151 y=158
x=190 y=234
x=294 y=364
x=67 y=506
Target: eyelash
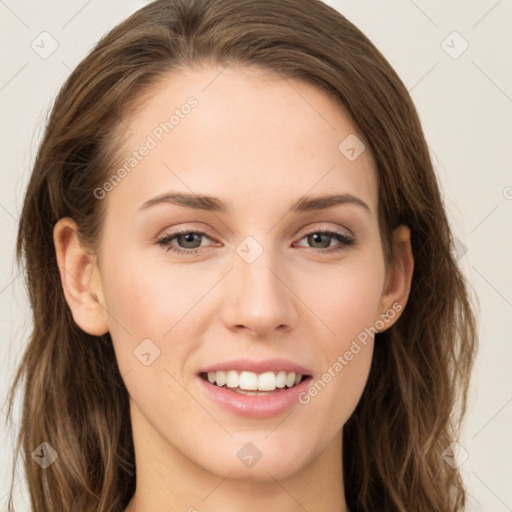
x=165 y=240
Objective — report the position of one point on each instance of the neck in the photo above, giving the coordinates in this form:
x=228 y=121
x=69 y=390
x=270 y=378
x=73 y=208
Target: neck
x=168 y=480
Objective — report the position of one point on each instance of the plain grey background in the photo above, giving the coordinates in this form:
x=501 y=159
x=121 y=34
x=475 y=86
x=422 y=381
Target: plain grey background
x=456 y=60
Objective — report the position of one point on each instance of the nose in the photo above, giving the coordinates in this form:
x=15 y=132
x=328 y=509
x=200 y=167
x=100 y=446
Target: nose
x=259 y=298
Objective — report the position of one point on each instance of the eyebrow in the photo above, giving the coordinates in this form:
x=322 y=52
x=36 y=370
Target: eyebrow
x=214 y=204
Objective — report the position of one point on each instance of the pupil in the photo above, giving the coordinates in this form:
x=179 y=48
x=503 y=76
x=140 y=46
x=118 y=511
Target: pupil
x=189 y=237
x=316 y=237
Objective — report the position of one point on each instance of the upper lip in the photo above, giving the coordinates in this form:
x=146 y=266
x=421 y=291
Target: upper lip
x=251 y=365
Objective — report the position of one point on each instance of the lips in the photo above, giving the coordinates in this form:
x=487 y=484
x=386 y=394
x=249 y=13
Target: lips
x=254 y=389
x=262 y=366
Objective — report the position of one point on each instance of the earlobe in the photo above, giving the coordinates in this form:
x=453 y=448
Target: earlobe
x=398 y=281
x=80 y=279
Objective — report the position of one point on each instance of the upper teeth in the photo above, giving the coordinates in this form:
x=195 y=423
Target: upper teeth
x=267 y=381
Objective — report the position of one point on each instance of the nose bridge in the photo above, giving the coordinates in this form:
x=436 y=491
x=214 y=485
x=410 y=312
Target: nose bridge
x=258 y=298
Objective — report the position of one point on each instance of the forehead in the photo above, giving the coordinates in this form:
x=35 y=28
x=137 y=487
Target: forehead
x=242 y=134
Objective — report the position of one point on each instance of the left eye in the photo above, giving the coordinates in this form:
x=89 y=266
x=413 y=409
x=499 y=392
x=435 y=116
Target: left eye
x=316 y=236
x=192 y=241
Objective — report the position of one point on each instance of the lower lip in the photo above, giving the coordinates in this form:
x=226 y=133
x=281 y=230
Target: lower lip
x=254 y=406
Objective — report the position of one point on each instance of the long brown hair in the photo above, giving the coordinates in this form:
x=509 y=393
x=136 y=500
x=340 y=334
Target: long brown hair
x=74 y=397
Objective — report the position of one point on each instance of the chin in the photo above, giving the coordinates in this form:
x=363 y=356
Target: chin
x=258 y=459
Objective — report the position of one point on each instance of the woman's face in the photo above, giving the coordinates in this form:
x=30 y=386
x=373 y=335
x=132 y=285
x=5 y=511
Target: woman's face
x=259 y=285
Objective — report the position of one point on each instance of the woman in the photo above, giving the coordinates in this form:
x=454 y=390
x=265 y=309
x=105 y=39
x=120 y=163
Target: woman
x=193 y=347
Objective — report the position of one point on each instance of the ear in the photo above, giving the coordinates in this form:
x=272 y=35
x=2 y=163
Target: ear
x=80 y=278
x=398 y=279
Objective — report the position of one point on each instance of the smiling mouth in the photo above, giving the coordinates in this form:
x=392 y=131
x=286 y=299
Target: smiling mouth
x=257 y=384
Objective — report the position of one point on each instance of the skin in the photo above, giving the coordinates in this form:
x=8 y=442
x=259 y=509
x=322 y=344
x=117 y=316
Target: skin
x=259 y=143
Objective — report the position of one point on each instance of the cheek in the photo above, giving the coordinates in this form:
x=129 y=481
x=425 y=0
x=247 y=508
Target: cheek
x=141 y=306
x=348 y=305
x=147 y=298
x=337 y=388
x=155 y=308
x=144 y=304
x=347 y=299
